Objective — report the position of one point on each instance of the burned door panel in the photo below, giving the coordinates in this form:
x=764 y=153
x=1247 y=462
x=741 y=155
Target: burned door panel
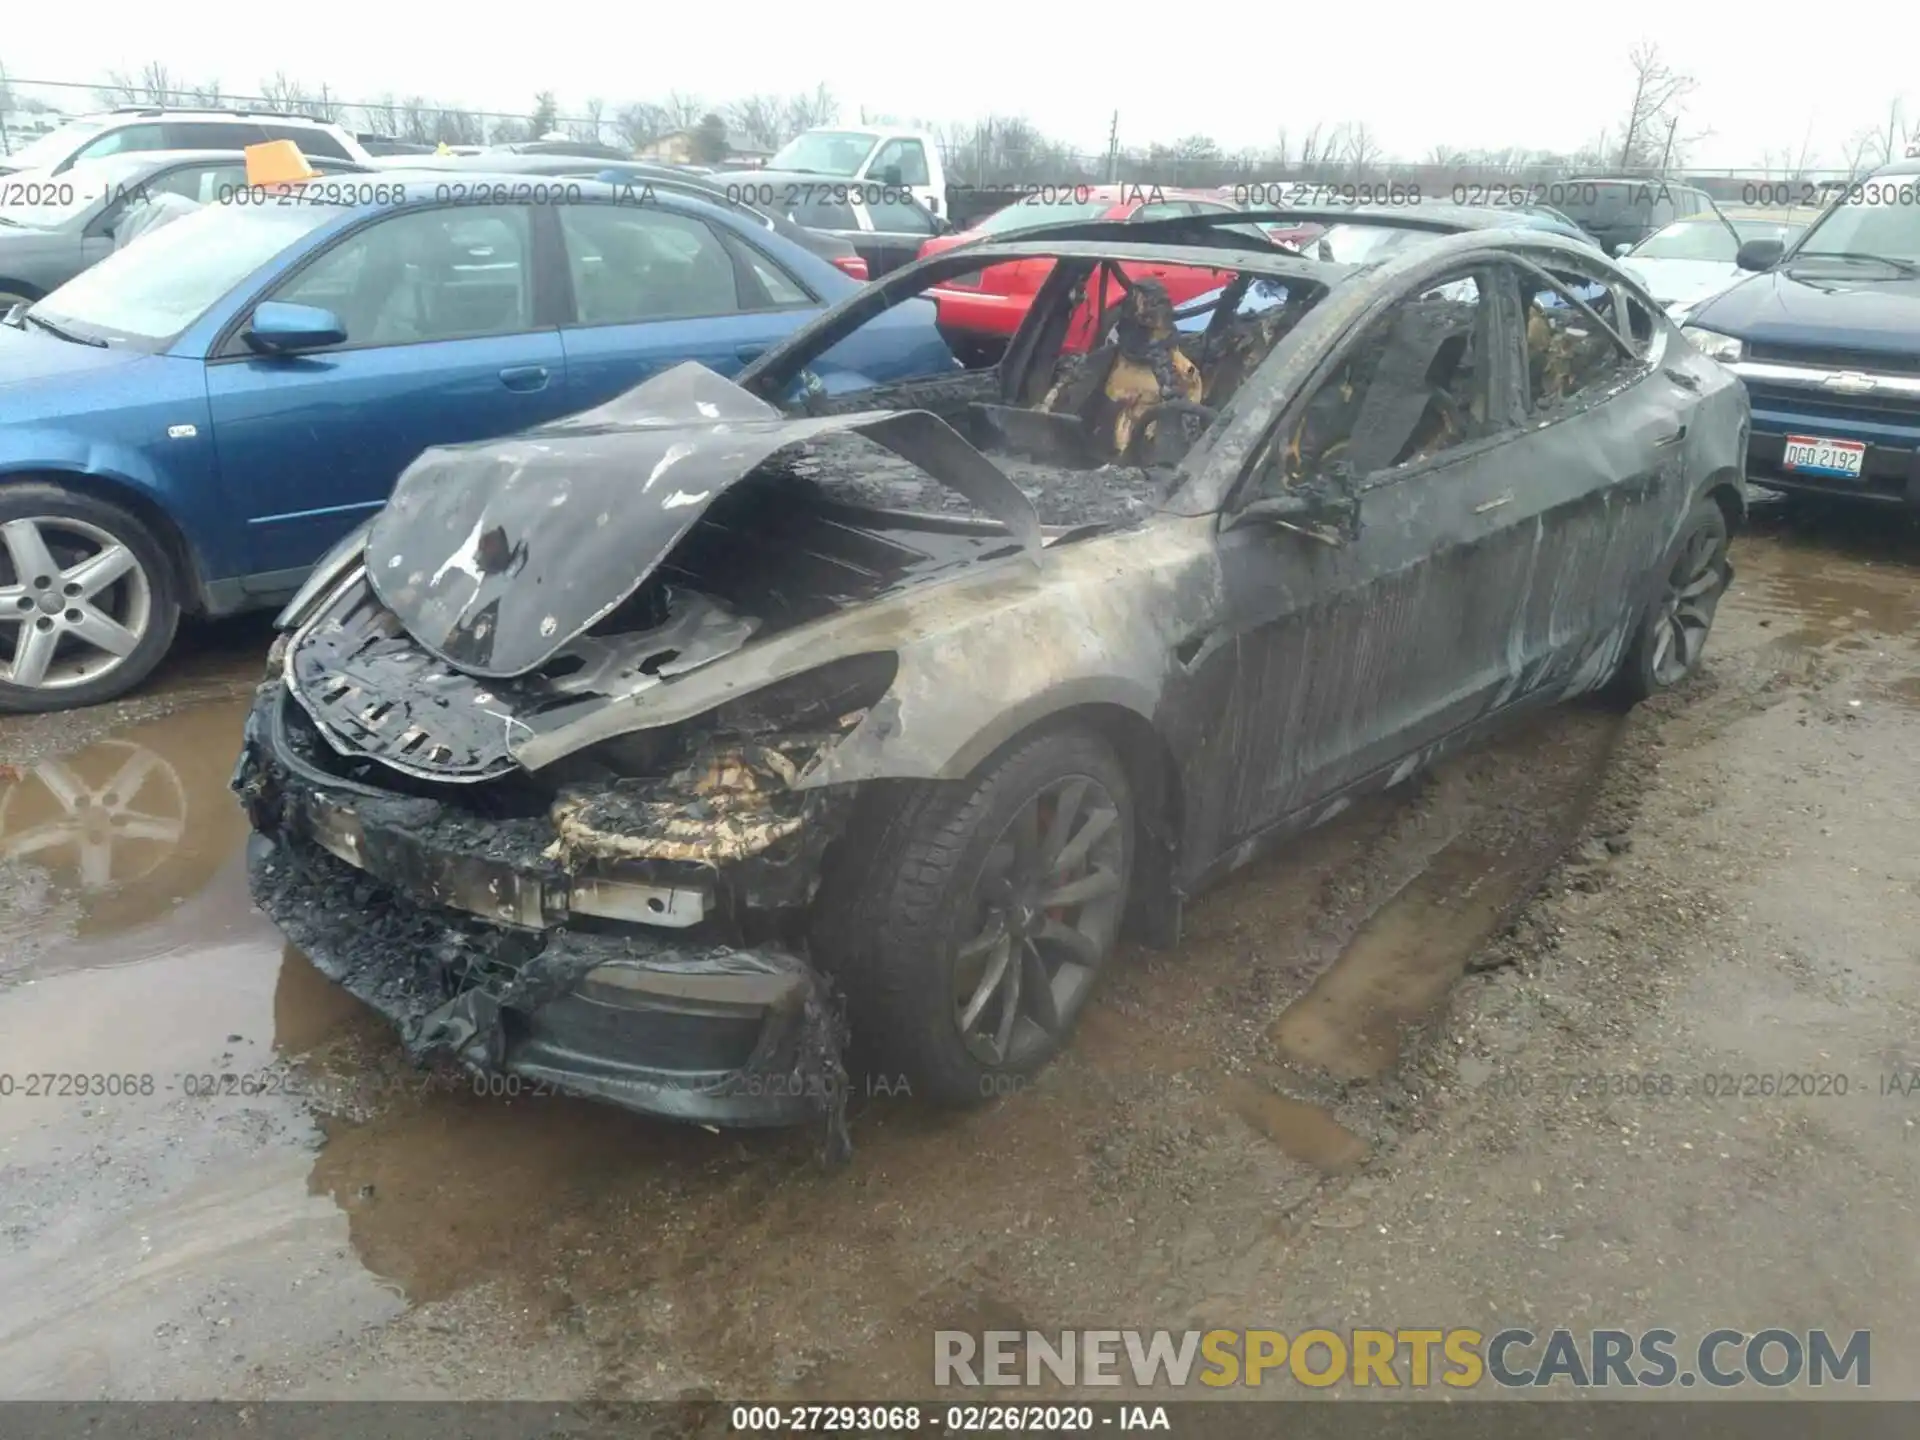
x=1346 y=657
x=1607 y=485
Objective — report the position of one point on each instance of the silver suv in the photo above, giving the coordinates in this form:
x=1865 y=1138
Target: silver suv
x=148 y=127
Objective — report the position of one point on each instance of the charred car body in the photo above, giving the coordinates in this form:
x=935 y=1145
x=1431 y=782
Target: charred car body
x=666 y=751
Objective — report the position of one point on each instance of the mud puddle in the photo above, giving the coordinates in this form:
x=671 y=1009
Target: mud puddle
x=155 y=1151
x=1791 y=579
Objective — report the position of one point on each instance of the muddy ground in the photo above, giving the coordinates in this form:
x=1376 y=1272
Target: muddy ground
x=1348 y=1099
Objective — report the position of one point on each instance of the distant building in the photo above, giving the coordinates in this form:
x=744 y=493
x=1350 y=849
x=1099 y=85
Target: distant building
x=678 y=146
x=675 y=147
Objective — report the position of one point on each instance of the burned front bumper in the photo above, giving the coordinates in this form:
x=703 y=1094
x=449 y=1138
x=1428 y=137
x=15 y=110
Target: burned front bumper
x=485 y=952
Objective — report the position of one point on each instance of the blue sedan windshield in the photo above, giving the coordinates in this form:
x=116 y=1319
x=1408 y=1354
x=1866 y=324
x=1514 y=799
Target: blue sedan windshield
x=149 y=292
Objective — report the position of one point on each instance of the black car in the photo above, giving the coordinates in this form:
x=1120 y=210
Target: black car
x=1620 y=212
x=661 y=753
x=52 y=230
x=884 y=223
x=835 y=250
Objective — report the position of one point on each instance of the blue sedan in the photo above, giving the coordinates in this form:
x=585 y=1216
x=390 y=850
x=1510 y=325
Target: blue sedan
x=191 y=423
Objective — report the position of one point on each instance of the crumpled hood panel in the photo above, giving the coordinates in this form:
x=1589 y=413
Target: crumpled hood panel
x=495 y=555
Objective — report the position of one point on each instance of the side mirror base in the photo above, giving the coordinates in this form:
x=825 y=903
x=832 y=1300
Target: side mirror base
x=277 y=328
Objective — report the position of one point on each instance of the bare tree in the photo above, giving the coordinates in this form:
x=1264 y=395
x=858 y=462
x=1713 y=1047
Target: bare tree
x=1860 y=152
x=454 y=126
x=807 y=110
x=416 y=119
x=1312 y=150
x=206 y=95
x=1894 y=143
x=759 y=120
x=639 y=125
x=152 y=86
x=382 y=116
x=1657 y=93
x=684 y=111
x=281 y=93
x=589 y=128
x=1361 y=150
x=1803 y=160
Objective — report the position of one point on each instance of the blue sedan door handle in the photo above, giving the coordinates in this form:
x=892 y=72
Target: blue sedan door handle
x=524 y=377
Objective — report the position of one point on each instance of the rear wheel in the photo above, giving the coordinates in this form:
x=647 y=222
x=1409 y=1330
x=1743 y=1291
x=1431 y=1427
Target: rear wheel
x=969 y=927
x=1667 y=647
x=88 y=602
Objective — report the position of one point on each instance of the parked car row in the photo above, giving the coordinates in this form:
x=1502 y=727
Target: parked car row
x=60 y=226
x=177 y=434
x=192 y=421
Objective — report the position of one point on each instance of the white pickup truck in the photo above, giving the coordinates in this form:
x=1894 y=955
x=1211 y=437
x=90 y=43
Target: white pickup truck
x=909 y=158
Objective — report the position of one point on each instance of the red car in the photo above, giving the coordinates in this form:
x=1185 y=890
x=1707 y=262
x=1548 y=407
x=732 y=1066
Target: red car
x=982 y=310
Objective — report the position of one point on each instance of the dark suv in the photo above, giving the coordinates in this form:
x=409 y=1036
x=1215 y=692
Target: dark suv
x=1826 y=336
x=1621 y=212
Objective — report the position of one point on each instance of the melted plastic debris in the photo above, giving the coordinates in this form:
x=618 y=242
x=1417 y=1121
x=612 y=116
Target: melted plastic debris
x=733 y=801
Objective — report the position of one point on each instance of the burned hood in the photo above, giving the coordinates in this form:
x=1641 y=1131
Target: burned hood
x=497 y=554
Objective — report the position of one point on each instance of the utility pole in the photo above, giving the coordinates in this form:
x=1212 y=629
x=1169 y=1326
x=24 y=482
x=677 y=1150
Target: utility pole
x=1113 y=149
x=1672 y=125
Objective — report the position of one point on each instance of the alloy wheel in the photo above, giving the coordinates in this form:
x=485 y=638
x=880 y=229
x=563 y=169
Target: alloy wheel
x=76 y=599
x=1046 y=911
x=1686 y=607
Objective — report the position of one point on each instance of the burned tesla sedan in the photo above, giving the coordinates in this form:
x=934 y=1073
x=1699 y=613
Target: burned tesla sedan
x=690 y=749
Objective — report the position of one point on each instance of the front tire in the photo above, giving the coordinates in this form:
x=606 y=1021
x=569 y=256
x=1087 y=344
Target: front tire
x=88 y=599
x=969 y=923
x=1666 y=648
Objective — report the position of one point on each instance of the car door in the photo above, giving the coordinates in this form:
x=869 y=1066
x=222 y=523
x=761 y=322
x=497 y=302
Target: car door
x=1352 y=649
x=1607 y=475
x=449 y=339
x=898 y=226
x=650 y=287
x=904 y=162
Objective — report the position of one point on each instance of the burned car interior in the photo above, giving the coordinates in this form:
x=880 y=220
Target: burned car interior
x=603 y=726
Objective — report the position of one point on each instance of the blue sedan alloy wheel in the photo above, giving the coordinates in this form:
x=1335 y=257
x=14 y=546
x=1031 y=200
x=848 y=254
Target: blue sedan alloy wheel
x=87 y=599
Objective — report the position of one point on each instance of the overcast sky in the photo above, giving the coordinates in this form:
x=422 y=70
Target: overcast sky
x=1485 y=75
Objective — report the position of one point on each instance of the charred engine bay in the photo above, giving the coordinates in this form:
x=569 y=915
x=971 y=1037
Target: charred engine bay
x=819 y=528
x=373 y=714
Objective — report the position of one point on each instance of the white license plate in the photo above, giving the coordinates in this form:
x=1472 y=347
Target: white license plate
x=1819 y=456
